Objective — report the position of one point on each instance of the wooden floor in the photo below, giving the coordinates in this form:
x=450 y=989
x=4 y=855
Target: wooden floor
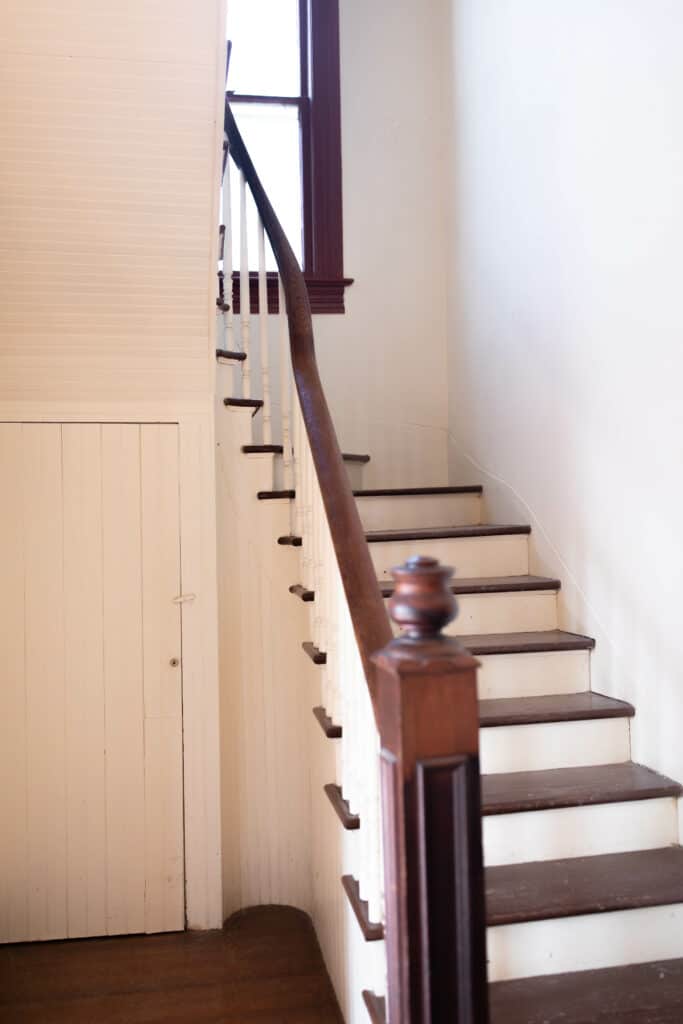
x=265 y=967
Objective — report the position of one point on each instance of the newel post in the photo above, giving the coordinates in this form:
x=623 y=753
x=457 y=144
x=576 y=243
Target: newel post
x=427 y=714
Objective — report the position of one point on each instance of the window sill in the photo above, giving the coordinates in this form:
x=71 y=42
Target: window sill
x=326 y=295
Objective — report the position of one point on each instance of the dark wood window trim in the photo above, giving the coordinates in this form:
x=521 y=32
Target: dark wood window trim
x=325 y=296
x=321 y=162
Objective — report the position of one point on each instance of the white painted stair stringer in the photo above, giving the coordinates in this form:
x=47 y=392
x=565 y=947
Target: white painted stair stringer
x=353 y=963
x=265 y=695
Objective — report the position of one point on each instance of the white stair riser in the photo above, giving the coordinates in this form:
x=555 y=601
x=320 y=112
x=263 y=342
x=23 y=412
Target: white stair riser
x=234 y=424
x=355 y=472
x=533 y=675
x=279 y=474
x=529 y=748
x=524 y=611
x=261 y=470
x=585 y=943
x=580 y=831
x=229 y=381
x=403 y=512
x=514 y=612
x=506 y=555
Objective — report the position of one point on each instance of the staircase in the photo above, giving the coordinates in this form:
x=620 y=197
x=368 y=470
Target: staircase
x=583 y=871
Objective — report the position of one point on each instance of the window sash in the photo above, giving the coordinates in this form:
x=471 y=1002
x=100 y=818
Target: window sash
x=320 y=117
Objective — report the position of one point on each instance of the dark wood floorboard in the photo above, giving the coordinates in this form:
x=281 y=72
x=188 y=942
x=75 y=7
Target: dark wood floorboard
x=265 y=967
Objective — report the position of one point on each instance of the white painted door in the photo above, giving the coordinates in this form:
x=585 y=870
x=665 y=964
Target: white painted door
x=91 y=780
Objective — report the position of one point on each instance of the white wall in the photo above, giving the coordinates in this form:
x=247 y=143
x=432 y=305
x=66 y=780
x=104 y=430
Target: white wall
x=384 y=362
x=567 y=315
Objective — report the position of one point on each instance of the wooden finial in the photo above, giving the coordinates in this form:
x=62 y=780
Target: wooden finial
x=422 y=603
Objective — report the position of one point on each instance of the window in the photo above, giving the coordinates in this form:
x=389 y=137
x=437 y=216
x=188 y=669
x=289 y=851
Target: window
x=284 y=92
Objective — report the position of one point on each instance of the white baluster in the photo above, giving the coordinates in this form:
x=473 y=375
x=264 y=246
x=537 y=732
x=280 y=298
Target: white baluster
x=245 y=301
x=347 y=698
x=304 y=461
x=304 y=455
x=371 y=755
x=329 y=575
x=285 y=391
x=309 y=473
x=318 y=568
x=379 y=846
x=228 y=326
x=263 y=332
x=296 y=481
x=299 y=444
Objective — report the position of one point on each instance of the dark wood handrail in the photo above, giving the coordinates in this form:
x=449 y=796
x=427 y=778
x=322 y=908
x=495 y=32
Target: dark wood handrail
x=368 y=614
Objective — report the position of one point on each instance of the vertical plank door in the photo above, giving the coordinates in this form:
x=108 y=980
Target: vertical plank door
x=91 y=797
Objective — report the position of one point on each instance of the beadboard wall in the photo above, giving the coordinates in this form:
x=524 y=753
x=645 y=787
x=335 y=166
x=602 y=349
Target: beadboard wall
x=108 y=173
x=111 y=127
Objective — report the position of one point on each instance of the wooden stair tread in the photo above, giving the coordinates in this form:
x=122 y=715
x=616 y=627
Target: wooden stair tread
x=406 y=492
x=637 y=994
x=483 y=585
x=526 y=643
x=375 y=494
x=277 y=449
x=584 y=885
x=373 y=931
x=225 y=353
x=445 y=532
x=262 y=449
x=317 y=656
x=272 y=495
x=563 y=707
x=244 y=403
x=513 y=792
x=331 y=730
x=290 y=540
x=490 y=585
x=350 y=457
x=376 y=1007
x=350 y=821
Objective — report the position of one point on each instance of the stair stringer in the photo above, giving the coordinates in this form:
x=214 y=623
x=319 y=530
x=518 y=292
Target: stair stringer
x=282 y=841
x=265 y=695
x=353 y=964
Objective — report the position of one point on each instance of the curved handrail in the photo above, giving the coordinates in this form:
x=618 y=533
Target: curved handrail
x=368 y=614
